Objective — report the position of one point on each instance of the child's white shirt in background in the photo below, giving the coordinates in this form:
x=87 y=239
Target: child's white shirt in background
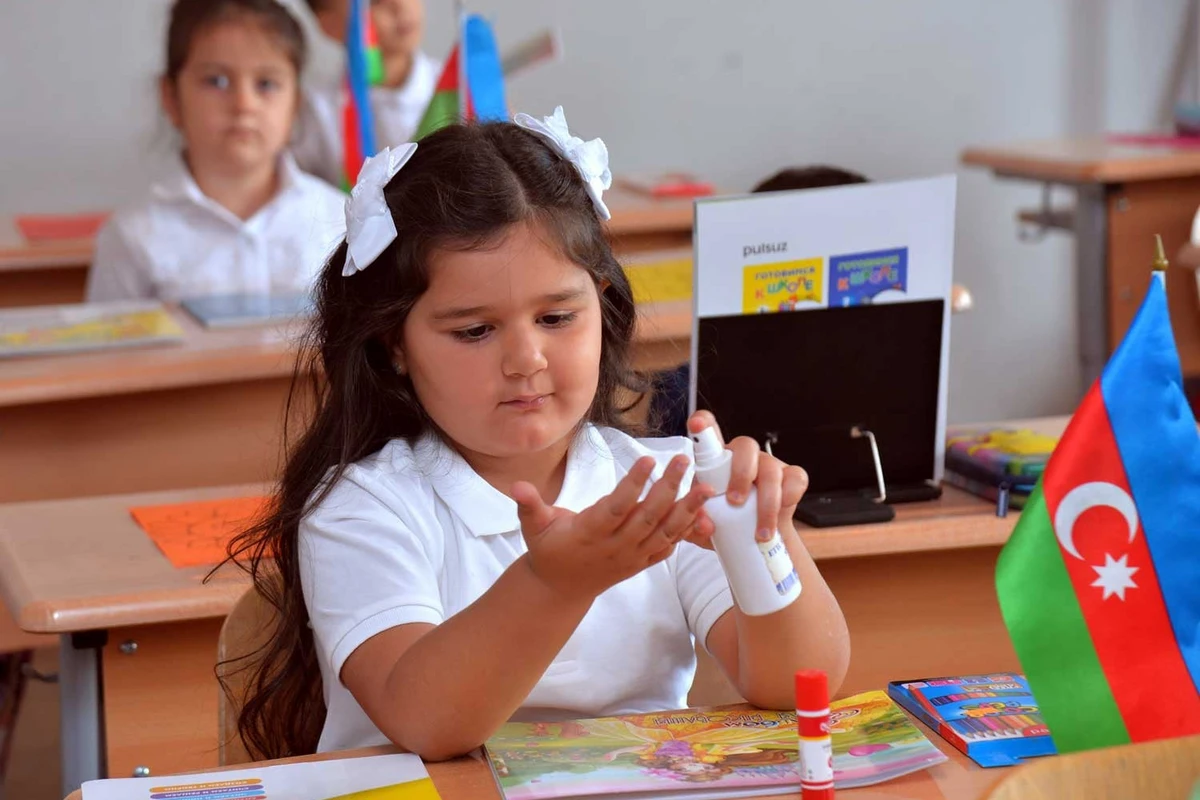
x=180 y=243
x=396 y=113
x=413 y=535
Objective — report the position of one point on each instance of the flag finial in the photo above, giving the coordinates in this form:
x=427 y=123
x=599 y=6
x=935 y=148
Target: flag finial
x=1159 y=264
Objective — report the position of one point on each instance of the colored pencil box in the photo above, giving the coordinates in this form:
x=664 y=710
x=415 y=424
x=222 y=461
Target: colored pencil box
x=993 y=719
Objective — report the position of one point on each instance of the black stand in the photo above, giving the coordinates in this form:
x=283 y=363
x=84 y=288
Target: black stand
x=824 y=511
x=809 y=383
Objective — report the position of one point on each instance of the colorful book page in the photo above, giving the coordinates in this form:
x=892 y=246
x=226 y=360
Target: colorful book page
x=390 y=777
x=197 y=534
x=422 y=789
x=660 y=281
x=81 y=327
x=46 y=228
x=701 y=753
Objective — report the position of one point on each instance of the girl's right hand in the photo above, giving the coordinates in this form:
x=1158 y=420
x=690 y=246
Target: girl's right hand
x=581 y=555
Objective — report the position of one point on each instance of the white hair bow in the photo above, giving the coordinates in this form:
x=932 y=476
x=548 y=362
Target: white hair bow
x=590 y=158
x=369 y=224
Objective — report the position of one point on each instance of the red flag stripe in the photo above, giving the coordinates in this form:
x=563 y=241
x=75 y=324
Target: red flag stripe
x=448 y=82
x=352 y=157
x=1129 y=627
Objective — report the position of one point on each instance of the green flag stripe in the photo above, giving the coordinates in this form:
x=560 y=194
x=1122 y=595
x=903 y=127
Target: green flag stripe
x=1051 y=637
x=442 y=111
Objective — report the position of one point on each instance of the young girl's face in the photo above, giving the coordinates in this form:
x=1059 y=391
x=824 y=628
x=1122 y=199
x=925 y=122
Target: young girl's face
x=399 y=25
x=235 y=99
x=503 y=349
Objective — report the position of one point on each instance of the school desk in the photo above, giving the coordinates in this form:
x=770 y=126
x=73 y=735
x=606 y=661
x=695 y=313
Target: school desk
x=469 y=778
x=139 y=637
x=40 y=273
x=204 y=413
x=1123 y=195
x=56 y=272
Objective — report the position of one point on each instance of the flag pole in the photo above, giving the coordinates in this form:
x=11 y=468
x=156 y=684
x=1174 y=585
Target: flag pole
x=1160 y=263
x=460 y=17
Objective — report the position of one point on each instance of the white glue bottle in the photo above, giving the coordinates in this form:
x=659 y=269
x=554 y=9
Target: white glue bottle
x=760 y=574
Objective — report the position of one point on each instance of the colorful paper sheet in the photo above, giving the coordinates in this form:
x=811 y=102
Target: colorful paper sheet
x=197 y=534
x=43 y=228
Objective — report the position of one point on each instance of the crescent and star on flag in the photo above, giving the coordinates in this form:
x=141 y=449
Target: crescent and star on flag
x=1115 y=575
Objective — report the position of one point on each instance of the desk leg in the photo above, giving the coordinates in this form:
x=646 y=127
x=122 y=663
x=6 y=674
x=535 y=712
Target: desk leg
x=1091 y=280
x=80 y=711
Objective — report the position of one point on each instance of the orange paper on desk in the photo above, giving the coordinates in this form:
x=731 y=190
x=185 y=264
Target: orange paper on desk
x=197 y=534
x=39 y=228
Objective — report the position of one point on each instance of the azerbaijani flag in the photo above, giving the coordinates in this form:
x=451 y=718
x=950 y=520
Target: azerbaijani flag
x=1100 y=583
x=364 y=68
x=474 y=62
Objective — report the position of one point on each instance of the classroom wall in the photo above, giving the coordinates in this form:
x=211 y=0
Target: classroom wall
x=732 y=91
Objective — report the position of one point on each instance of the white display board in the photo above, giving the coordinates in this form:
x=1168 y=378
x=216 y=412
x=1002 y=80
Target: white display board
x=787 y=252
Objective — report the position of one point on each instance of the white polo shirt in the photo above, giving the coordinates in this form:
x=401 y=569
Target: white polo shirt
x=396 y=113
x=181 y=243
x=413 y=534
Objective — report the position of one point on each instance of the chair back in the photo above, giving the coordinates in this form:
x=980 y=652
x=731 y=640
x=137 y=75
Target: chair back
x=245 y=631
x=1168 y=769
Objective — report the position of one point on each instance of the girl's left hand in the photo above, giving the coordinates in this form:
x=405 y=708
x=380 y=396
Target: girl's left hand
x=780 y=486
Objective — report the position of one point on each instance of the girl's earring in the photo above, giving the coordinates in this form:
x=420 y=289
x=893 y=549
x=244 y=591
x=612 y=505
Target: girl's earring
x=399 y=368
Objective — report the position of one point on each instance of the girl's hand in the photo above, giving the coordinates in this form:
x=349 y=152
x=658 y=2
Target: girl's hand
x=780 y=486
x=581 y=555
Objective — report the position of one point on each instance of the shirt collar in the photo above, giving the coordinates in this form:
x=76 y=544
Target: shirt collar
x=176 y=184
x=486 y=511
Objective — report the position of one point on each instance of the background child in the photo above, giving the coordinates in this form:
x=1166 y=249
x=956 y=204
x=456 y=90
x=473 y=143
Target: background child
x=233 y=213
x=409 y=77
x=473 y=339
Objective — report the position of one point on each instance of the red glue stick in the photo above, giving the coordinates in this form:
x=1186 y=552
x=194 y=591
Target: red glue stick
x=816 y=745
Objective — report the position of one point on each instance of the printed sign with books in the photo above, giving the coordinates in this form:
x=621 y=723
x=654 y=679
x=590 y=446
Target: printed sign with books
x=392 y=777
x=994 y=719
x=702 y=754
x=94 y=326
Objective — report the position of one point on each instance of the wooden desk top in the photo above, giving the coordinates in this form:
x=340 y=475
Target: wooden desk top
x=637 y=213
x=205 y=357
x=84 y=564
x=1084 y=161
x=214 y=356
x=958 y=778
x=632 y=213
x=18 y=254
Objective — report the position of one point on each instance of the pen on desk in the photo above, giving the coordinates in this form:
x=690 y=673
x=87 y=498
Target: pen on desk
x=1002 y=500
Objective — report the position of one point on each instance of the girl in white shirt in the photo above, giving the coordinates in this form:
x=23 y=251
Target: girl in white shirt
x=397 y=104
x=233 y=214
x=466 y=533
